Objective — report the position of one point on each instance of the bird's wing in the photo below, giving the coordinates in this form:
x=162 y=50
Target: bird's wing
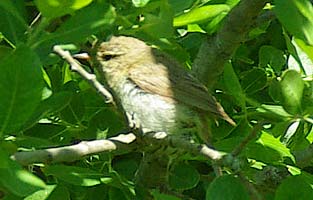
x=168 y=79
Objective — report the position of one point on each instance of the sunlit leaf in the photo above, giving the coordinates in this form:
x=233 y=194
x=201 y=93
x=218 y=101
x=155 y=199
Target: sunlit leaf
x=201 y=14
x=140 y=3
x=17 y=180
x=292 y=87
x=298 y=20
x=57 y=8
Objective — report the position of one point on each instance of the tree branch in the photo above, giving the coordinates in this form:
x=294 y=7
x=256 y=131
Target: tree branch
x=162 y=138
x=119 y=143
x=91 y=78
x=216 y=51
x=77 y=151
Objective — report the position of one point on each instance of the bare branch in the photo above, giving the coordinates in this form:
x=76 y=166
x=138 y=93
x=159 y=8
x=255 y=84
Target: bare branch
x=91 y=78
x=216 y=51
x=120 y=143
x=181 y=143
x=77 y=151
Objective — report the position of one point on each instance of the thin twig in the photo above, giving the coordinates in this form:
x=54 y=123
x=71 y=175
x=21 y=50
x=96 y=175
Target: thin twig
x=249 y=137
x=91 y=78
x=36 y=19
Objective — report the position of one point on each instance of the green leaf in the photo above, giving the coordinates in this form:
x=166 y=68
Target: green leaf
x=57 y=8
x=292 y=87
x=4 y=50
x=298 y=20
x=75 y=175
x=295 y=187
x=42 y=194
x=179 y=6
x=126 y=166
x=178 y=179
x=215 y=23
x=140 y=3
x=269 y=55
x=21 y=85
x=115 y=193
x=17 y=180
x=275 y=90
x=59 y=192
x=305 y=56
x=232 y=84
x=12 y=8
x=267 y=140
x=308 y=49
x=280 y=128
x=200 y=15
x=227 y=188
x=53 y=104
x=159 y=196
x=74 y=112
x=253 y=80
x=158 y=26
x=12 y=23
x=274 y=112
x=85 y=22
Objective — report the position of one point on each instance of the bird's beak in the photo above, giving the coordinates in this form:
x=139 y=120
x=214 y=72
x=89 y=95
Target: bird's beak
x=82 y=56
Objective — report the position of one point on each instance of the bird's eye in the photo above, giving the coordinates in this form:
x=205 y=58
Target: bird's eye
x=108 y=57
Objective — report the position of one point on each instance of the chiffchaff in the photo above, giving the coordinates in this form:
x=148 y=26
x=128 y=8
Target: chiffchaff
x=155 y=91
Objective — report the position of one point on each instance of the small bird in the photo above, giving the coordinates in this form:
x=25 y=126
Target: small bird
x=155 y=91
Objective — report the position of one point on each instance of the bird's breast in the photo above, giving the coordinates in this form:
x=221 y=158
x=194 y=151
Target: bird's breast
x=152 y=111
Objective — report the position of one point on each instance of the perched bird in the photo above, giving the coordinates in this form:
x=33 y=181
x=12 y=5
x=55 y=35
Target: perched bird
x=155 y=91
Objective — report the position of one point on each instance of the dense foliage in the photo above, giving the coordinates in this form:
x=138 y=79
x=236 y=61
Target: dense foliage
x=269 y=81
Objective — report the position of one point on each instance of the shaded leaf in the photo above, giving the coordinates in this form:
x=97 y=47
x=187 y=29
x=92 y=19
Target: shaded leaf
x=253 y=80
x=158 y=26
x=75 y=175
x=268 y=55
x=21 y=85
x=84 y=23
x=178 y=179
x=295 y=187
x=53 y=104
x=227 y=188
x=232 y=84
